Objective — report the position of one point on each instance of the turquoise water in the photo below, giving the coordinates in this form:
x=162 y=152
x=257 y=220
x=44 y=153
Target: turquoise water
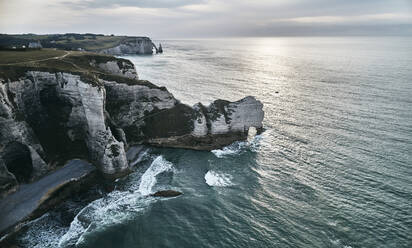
x=332 y=169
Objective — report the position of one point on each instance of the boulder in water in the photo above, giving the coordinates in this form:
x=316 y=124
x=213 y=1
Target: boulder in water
x=167 y=193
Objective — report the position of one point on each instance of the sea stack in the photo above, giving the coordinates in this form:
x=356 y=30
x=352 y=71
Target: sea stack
x=160 y=48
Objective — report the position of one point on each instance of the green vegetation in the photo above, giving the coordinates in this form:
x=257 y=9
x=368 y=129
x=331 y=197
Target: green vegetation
x=71 y=41
x=15 y=64
x=8 y=57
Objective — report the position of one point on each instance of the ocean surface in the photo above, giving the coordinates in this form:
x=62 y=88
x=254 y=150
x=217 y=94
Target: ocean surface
x=332 y=169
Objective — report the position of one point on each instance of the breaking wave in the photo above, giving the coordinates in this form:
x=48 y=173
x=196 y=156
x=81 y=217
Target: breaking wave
x=158 y=166
x=238 y=147
x=115 y=208
x=41 y=231
x=218 y=179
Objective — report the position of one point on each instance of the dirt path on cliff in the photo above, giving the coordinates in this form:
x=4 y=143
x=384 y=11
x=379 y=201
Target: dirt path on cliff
x=40 y=60
x=19 y=205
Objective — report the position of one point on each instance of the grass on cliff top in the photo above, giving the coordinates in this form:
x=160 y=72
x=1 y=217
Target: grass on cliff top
x=15 y=64
x=100 y=42
x=11 y=57
x=72 y=61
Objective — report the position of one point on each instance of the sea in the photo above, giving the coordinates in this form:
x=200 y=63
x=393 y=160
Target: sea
x=333 y=167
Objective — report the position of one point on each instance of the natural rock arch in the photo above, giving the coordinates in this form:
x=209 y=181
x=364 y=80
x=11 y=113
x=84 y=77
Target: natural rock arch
x=18 y=161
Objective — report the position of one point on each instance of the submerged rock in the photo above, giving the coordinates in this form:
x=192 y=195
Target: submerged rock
x=167 y=193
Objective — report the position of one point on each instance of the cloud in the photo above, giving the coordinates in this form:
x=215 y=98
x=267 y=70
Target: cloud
x=376 y=18
x=132 y=3
x=208 y=18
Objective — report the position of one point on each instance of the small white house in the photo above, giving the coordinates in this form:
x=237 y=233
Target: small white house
x=35 y=44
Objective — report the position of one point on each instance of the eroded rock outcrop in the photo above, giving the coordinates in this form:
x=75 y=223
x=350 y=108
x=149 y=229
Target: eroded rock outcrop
x=48 y=116
x=137 y=45
x=167 y=193
x=59 y=116
x=153 y=116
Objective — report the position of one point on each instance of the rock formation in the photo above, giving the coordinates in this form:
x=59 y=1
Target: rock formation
x=167 y=193
x=138 y=45
x=48 y=116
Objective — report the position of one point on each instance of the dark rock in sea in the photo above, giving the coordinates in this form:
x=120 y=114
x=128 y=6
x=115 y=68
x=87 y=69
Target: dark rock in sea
x=160 y=49
x=167 y=193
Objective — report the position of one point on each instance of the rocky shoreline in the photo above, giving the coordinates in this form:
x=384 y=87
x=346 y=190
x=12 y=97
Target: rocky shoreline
x=96 y=110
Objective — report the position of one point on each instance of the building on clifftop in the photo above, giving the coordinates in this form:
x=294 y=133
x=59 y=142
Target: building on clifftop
x=35 y=44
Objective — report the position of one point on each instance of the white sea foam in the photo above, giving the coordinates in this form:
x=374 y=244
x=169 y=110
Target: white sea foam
x=232 y=149
x=115 y=208
x=158 y=166
x=218 y=179
x=41 y=231
x=238 y=147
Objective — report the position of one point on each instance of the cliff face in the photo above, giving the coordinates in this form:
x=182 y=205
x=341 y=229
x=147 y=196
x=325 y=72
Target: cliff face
x=138 y=45
x=59 y=116
x=48 y=117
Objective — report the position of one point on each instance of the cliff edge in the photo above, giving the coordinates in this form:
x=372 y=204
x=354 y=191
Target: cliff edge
x=93 y=107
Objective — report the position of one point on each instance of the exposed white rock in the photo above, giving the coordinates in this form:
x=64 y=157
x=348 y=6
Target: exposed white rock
x=140 y=45
x=137 y=100
x=13 y=131
x=245 y=113
x=126 y=70
x=219 y=125
x=5 y=105
x=202 y=128
x=86 y=119
x=200 y=122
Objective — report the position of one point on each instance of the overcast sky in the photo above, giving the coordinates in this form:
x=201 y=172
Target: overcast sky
x=208 y=18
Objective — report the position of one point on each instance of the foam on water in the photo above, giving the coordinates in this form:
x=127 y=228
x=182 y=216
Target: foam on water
x=158 y=166
x=117 y=207
x=42 y=232
x=238 y=147
x=215 y=179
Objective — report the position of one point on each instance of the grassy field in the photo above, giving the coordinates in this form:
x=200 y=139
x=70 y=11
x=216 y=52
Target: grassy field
x=50 y=59
x=90 y=43
x=15 y=64
x=11 y=57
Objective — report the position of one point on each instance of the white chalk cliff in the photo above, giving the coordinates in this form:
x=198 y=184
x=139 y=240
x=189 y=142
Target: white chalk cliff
x=49 y=117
